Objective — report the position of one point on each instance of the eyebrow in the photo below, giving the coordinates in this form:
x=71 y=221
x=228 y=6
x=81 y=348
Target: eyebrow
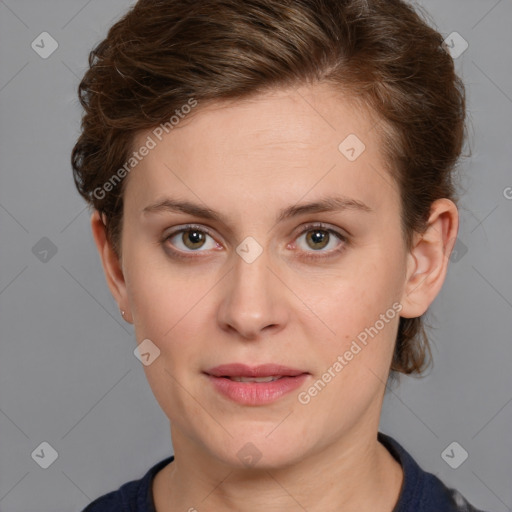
x=326 y=204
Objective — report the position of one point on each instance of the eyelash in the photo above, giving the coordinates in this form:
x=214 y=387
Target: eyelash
x=309 y=255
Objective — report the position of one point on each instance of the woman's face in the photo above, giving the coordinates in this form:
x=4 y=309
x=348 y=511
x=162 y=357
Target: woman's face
x=264 y=280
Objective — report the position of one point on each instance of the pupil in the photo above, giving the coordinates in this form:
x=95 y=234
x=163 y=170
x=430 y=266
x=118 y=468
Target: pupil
x=194 y=237
x=318 y=236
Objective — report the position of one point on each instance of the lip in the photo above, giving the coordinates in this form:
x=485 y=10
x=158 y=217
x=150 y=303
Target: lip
x=263 y=370
x=255 y=393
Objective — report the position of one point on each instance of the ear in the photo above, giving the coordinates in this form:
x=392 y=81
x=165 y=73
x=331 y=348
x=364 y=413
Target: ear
x=427 y=262
x=111 y=265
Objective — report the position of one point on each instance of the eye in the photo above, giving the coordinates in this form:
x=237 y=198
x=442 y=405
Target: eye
x=190 y=239
x=318 y=237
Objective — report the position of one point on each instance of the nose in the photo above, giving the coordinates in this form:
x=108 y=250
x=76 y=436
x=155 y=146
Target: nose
x=254 y=299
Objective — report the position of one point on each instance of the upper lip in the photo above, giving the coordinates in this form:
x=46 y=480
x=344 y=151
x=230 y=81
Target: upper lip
x=263 y=370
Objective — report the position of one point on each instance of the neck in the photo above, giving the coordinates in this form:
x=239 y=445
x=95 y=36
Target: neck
x=354 y=473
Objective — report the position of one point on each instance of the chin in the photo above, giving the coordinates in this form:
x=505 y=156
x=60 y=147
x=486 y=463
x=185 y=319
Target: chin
x=258 y=452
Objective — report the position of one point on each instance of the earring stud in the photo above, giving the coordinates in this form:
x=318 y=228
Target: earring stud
x=122 y=312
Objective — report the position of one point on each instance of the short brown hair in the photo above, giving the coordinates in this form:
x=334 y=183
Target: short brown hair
x=163 y=53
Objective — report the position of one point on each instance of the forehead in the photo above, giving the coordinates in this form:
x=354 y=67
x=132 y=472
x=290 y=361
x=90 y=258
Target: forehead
x=292 y=142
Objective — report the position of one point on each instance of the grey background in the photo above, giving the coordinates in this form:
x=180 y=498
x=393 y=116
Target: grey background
x=68 y=375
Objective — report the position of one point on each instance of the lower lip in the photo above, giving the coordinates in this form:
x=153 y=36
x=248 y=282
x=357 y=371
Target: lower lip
x=256 y=393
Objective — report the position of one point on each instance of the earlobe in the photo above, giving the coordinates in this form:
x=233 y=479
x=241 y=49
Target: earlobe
x=428 y=259
x=111 y=264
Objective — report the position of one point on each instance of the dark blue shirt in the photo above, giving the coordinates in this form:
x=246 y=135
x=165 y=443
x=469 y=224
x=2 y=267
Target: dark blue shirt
x=421 y=491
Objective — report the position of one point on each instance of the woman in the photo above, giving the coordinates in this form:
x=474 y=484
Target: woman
x=274 y=208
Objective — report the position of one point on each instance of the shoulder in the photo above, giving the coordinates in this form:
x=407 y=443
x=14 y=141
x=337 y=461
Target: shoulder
x=437 y=496
x=133 y=496
x=423 y=491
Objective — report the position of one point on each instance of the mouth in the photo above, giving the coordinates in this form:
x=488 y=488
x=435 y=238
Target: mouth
x=257 y=385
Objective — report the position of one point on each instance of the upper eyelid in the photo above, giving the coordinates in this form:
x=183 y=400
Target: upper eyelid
x=188 y=227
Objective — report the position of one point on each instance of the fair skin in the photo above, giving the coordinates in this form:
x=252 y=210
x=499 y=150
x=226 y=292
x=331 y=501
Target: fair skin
x=248 y=160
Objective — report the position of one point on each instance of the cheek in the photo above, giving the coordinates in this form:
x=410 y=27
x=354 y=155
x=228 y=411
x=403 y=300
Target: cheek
x=170 y=306
x=165 y=305
x=353 y=364
x=360 y=305
x=355 y=297
x=160 y=292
